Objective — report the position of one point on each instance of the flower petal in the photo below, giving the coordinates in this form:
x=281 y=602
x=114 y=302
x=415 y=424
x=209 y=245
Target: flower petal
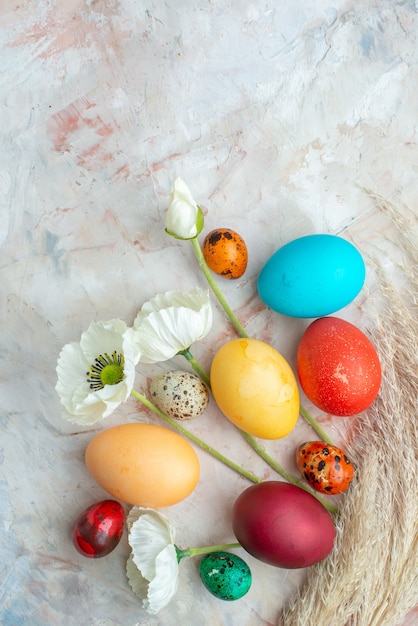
x=183 y=213
x=155 y=595
x=171 y=322
x=137 y=582
x=152 y=569
x=196 y=299
x=149 y=535
x=130 y=346
x=71 y=370
x=101 y=337
x=165 y=584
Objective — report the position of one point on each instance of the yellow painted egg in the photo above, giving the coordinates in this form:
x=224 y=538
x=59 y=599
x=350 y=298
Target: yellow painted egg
x=143 y=464
x=255 y=388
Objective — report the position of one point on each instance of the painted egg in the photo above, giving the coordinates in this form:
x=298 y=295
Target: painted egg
x=338 y=367
x=325 y=467
x=312 y=276
x=98 y=529
x=179 y=394
x=255 y=388
x=143 y=464
x=225 y=253
x=282 y=525
x=225 y=575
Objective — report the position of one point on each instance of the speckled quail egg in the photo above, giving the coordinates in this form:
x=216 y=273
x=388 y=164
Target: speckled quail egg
x=181 y=395
x=225 y=575
x=225 y=252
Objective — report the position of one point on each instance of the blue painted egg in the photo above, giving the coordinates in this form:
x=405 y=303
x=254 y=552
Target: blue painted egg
x=312 y=276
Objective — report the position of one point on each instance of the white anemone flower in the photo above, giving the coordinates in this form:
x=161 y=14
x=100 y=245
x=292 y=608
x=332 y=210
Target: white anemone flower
x=184 y=219
x=152 y=568
x=170 y=322
x=97 y=374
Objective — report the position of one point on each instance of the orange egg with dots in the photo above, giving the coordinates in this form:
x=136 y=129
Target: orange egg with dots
x=225 y=253
x=325 y=467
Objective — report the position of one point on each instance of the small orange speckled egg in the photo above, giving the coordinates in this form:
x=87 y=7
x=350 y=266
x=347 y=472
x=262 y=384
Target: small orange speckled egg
x=325 y=467
x=225 y=253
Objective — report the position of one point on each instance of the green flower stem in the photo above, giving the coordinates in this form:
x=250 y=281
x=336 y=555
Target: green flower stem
x=197 y=551
x=195 y=365
x=186 y=433
x=256 y=446
x=317 y=428
x=206 y=271
x=288 y=477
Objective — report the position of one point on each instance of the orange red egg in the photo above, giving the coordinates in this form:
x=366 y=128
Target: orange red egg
x=225 y=252
x=338 y=367
x=325 y=467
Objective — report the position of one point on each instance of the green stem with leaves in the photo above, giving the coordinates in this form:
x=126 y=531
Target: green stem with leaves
x=199 y=442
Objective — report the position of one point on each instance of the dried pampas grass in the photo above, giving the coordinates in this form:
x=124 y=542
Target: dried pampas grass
x=371 y=577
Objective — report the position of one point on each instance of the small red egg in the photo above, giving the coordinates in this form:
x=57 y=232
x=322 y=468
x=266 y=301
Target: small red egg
x=338 y=367
x=98 y=530
x=225 y=253
x=325 y=467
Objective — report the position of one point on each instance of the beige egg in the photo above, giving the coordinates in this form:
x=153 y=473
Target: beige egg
x=179 y=394
x=143 y=464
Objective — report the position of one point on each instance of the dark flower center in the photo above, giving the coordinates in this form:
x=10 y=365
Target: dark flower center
x=106 y=370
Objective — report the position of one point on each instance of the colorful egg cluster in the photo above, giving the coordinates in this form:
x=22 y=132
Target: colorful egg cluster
x=225 y=252
x=256 y=389
x=325 y=467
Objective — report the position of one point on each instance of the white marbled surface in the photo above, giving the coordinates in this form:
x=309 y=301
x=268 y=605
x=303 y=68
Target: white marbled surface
x=275 y=114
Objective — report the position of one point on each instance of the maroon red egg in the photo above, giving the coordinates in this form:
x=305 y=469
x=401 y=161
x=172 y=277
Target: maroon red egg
x=282 y=525
x=325 y=467
x=338 y=367
x=98 y=529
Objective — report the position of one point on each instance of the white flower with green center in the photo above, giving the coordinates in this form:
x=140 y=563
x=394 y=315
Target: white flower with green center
x=184 y=219
x=152 y=568
x=97 y=374
x=170 y=322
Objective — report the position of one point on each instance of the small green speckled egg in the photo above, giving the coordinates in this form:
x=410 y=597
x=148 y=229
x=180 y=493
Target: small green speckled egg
x=225 y=575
